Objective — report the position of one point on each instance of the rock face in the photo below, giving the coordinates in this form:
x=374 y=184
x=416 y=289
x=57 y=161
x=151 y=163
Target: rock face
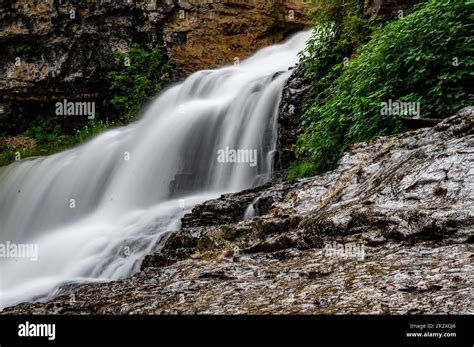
x=387 y=8
x=208 y=34
x=295 y=94
x=390 y=231
x=54 y=50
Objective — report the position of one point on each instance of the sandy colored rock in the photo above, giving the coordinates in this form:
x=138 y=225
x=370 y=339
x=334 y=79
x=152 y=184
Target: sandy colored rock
x=204 y=35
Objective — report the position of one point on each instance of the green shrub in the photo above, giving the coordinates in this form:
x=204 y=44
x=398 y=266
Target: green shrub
x=45 y=129
x=410 y=59
x=300 y=169
x=137 y=81
x=93 y=128
x=23 y=48
x=53 y=143
x=339 y=28
x=345 y=17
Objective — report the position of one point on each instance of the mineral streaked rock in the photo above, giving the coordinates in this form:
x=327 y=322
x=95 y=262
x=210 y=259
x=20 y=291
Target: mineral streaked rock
x=407 y=200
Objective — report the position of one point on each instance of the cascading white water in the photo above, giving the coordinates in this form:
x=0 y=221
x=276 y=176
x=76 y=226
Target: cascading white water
x=94 y=211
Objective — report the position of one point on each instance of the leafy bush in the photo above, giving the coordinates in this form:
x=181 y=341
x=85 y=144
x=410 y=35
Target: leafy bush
x=141 y=77
x=44 y=130
x=23 y=48
x=339 y=28
x=50 y=143
x=411 y=59
x=345 y=18
x=93 y=128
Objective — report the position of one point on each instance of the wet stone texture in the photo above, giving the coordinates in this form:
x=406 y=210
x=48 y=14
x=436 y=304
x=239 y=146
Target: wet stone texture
x=390 y=231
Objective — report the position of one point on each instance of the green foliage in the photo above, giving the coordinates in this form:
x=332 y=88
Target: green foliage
x=137 y=81
x=50 y=141
x=56 y=145
x=23 y=48
x=300 y=169
x=6 y=157
x=93 y=128
x=277 y=12
x=411 y=59
x=346 y=20
x=339 y=29
x=44 y=130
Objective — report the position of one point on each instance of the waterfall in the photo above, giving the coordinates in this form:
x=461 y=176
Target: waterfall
x=93 y=212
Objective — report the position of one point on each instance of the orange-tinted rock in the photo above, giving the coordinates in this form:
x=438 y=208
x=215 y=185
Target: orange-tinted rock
x=202 y=35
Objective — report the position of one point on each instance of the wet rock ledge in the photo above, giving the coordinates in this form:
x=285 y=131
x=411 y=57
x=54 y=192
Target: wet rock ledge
x=404 y=204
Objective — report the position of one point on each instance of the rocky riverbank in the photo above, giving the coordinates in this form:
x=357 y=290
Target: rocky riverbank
x=390 y=231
